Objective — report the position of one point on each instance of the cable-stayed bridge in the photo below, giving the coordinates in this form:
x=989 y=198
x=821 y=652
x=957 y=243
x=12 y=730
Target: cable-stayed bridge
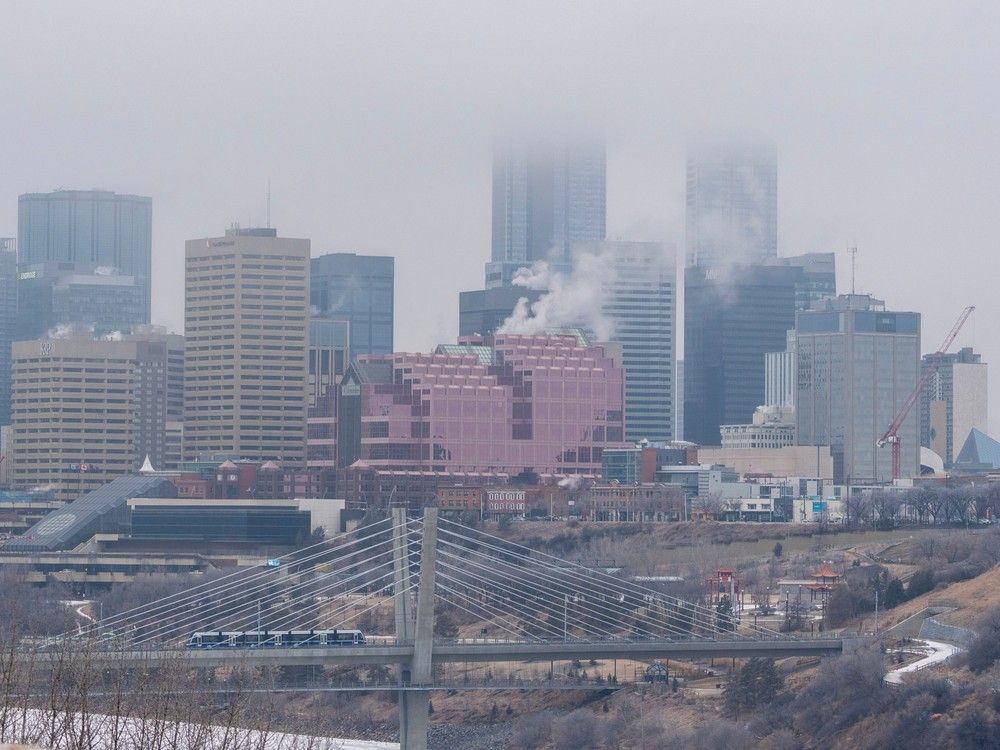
x=422 y=593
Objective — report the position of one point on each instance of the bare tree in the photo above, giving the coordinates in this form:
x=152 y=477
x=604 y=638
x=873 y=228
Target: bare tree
x=709 y=505
x=857 y=508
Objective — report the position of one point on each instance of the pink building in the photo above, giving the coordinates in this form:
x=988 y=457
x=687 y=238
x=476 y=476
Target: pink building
x=502 y=404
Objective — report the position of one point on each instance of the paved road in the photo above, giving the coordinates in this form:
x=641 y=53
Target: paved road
x=936 y=652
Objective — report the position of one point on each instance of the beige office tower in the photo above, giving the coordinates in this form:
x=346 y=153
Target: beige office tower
x=85 y=411
x=246 y=318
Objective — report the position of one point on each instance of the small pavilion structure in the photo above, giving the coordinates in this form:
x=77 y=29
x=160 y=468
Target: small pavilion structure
x=824 y=580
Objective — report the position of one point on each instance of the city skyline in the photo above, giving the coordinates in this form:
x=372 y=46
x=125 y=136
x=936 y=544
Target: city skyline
x=355 y=355
x=856 y=167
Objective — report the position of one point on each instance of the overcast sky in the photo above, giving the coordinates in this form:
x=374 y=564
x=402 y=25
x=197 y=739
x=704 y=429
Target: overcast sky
x=374 y=123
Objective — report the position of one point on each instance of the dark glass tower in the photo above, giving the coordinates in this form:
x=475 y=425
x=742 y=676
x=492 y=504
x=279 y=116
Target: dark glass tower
x=482 y=311
x=733 y=317
x=358 y=289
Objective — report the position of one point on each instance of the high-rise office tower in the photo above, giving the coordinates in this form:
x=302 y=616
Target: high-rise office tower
x=818 y=281
x=546 y=199
x=733 y=317
x=732 y=203
x=57 y=295
x=640 y=300
x=246 y=325
x=160 y=394
x=85 y=411
x=8 y=319
x=358 y=289
x=779 y=375
x=954 y=402
x=483 y=311
x=329 y=357
x=679 y=401
x=96 y=227
x=857 y=365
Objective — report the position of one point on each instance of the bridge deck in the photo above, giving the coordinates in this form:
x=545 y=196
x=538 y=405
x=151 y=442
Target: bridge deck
x=481 y=652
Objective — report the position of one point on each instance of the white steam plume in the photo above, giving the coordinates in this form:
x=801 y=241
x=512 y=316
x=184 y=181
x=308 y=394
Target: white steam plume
x=575 y=300
x=66 y=331
x=572 y=482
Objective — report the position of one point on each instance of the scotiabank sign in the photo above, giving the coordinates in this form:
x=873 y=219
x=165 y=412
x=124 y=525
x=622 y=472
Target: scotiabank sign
x=505 y=501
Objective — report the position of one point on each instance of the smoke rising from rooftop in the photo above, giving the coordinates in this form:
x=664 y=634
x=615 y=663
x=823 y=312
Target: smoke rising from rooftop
x=573 y=300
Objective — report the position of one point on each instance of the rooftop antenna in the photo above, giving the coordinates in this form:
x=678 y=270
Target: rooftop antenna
x=854 y=265
x=268 y=204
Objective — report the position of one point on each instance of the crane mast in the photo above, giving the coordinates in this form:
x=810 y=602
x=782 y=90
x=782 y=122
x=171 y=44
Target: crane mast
x=891 y=435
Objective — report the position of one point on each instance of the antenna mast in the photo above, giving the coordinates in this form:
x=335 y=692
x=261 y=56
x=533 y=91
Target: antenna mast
x=268 y=201
x=854 y=265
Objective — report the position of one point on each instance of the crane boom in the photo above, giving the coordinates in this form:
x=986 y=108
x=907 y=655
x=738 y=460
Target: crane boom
x=891 y=437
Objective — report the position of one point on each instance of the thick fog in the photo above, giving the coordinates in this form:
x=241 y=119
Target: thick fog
x=373 y=124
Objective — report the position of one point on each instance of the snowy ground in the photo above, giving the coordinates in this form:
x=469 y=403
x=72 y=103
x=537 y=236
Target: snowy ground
x=935 y=653
x=100 y=732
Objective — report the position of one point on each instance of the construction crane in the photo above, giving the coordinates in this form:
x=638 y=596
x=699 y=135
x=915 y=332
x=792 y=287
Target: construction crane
x=891 y=436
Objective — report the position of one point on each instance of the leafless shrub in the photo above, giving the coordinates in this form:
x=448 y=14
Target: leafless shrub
x=532 y=731
x=575 y=731
x=722 y=735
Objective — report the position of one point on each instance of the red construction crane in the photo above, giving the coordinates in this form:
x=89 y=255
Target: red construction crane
x=891 y=437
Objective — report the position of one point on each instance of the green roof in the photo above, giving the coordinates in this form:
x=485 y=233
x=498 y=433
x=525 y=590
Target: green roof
x=484 y=353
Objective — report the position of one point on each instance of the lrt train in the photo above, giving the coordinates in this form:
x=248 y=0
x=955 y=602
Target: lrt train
x=275 y=638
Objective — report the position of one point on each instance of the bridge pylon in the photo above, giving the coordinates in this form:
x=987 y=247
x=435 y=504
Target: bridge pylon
x=414 y=704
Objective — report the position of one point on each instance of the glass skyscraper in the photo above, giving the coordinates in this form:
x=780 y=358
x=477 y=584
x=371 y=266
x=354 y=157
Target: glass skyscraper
x=732 y=203
x=77 y=295
x=96 y=227
x=483 y=311
x=736 y=317
x=358 y=289
x=546 y=199
x=641 y=301
x=733 y=317
x=8 y=320
x=857 y=363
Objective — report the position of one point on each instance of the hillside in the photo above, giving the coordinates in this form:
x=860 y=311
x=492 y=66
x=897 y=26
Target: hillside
x=972 y=599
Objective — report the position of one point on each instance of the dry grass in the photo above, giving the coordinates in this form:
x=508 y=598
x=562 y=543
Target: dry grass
x=973 y=597
x=662 y=534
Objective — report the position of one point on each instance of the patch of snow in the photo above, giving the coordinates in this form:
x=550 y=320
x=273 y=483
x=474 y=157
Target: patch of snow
x=36 y=726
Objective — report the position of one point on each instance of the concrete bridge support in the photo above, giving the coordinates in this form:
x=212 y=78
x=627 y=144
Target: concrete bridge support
x=414 y=704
